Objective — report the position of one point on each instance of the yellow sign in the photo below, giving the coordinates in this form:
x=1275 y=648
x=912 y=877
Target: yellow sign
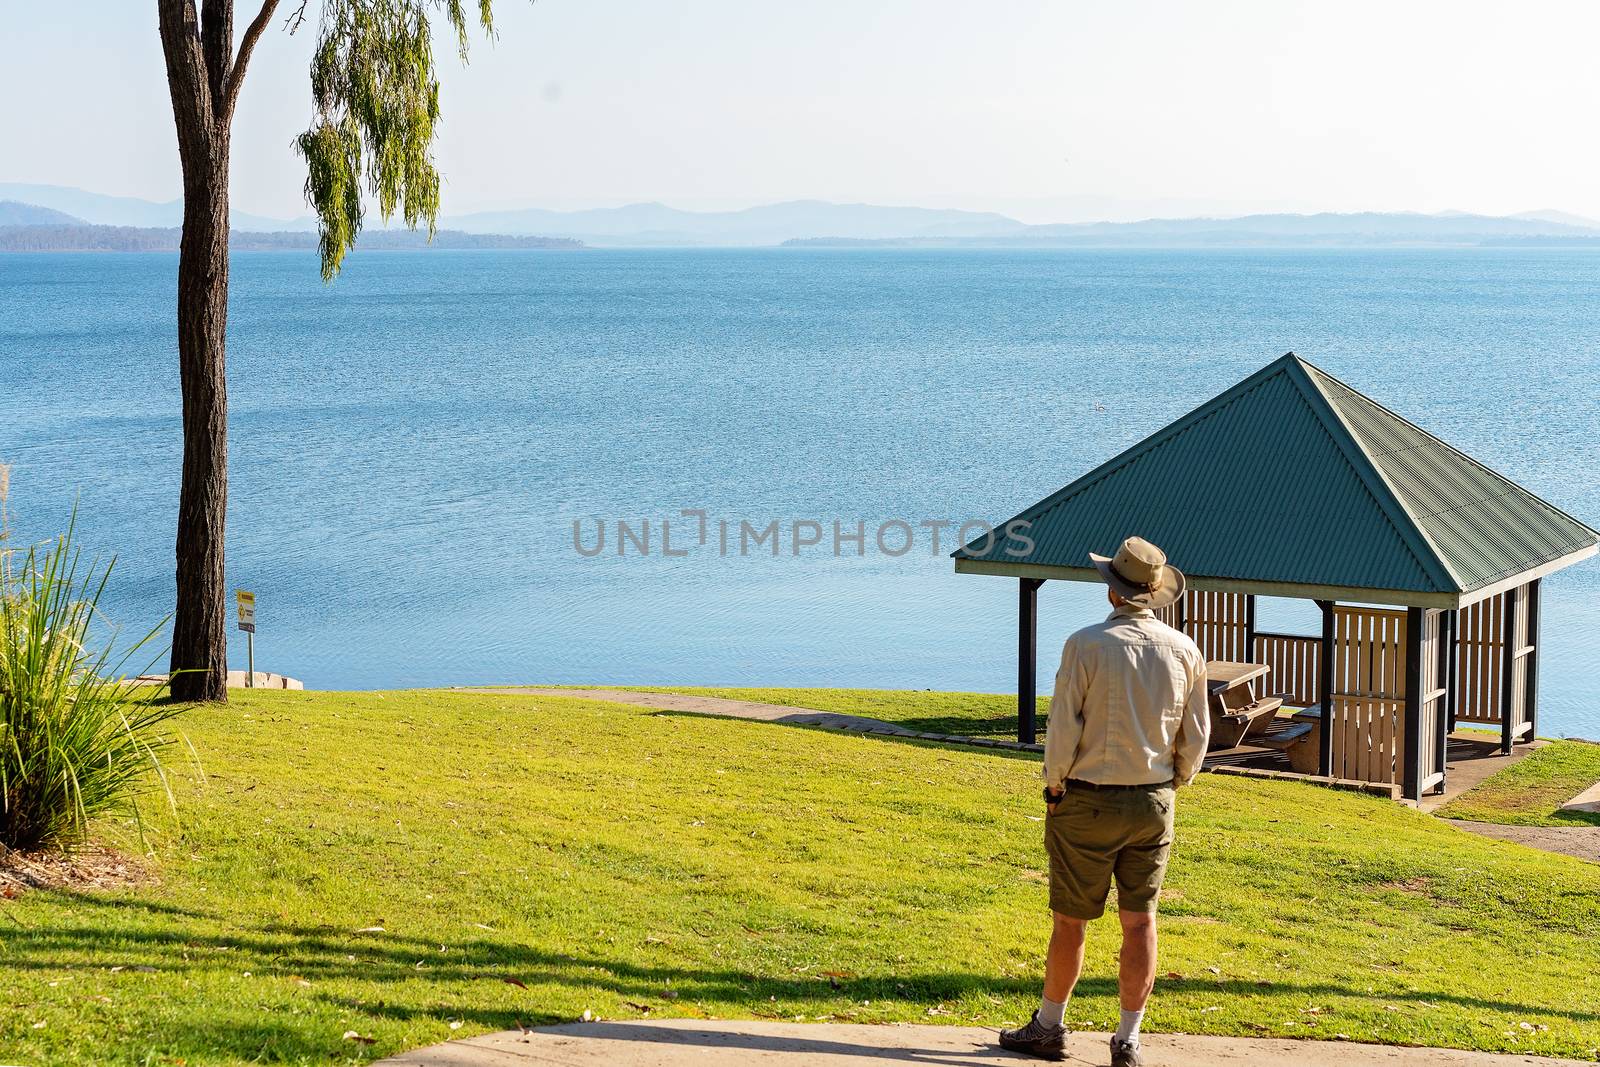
x=247 y=611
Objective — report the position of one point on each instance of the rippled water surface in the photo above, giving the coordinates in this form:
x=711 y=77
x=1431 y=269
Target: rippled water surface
x=411 y=446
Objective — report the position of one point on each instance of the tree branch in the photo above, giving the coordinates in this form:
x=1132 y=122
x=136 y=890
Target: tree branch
x=296 y=18
x=186 y=71
x=257 y=26
x=216 y=43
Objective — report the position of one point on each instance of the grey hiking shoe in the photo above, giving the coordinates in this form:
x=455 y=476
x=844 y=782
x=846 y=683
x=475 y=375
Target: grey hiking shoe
x=1125 y=1053
x=1036 y=1039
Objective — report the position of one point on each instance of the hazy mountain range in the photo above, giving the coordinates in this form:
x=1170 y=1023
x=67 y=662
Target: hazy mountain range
x=815 y=222
x=101 y=210
x=1359 y=229
x=78 y=236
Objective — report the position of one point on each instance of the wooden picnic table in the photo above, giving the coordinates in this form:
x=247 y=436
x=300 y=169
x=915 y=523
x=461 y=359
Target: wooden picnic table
x=1236 y=709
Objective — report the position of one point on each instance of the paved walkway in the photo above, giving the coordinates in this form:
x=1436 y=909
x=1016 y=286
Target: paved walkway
x=693 y=1042
x=1587 y=801
x=1580 y=841
x=744 y=709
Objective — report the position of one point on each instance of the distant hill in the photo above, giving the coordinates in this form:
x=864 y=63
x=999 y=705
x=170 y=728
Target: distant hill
x=1566 y=217
x=13 y=213
x=82 y=238
x=825 y=224
x=101 y=210
x=1362 y=229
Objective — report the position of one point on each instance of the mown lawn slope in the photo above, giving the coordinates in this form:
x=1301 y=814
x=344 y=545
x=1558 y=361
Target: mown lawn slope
x=410 y=867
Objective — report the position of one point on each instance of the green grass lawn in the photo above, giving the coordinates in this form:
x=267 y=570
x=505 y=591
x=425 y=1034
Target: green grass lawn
x=419 y=866
x=1531 y=791
x=969 y=714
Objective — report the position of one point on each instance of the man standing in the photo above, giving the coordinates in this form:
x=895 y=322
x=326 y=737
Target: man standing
x=1128 y=723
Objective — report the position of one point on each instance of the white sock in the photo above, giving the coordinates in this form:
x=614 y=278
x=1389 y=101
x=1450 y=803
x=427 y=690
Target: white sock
x=1128 y=1028
x=1051 y=1012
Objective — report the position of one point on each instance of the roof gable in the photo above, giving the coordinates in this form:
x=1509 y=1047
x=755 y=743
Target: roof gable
x=1291 y=476
x=1480 y=524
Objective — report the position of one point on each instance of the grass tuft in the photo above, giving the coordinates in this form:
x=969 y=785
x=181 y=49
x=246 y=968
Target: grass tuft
x=76 y=740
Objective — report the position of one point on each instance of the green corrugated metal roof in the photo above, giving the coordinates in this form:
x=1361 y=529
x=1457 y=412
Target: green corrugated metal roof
x=1293 y=477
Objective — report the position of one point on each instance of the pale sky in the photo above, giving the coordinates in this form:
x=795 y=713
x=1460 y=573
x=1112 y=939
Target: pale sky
x=1049 y=111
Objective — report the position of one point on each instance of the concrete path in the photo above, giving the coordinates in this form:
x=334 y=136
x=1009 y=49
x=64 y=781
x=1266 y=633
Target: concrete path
x=693 y=1042
x=1580 y=841
x=744 y=709
x=1586 y=801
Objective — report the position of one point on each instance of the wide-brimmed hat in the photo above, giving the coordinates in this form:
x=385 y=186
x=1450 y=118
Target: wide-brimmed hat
x=1140 y=574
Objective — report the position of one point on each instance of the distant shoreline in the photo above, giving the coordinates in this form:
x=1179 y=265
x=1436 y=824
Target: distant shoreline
x=1287 y=243
x=95 y=239
x=113 y=239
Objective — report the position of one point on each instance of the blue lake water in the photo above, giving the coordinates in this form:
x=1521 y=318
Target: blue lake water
x=411 y=446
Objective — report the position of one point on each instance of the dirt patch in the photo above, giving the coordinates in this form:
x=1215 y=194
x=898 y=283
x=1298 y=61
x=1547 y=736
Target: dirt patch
x=89 y=868
x=1420 y=886
x=1580 y=841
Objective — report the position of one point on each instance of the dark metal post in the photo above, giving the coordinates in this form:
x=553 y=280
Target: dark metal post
x=1411 y=774
x=1508 y=651
x=1325 y=684
x=1027 y=656
x=1533 y=660
x=1250 y=627
x=1447 y=681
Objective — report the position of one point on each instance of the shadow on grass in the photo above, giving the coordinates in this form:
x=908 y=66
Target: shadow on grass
x=997 y=728
x=919 y=742
x=386 y=961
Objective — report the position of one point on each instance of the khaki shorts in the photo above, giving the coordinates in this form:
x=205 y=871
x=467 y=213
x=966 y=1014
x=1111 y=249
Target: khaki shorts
x=1097 y=834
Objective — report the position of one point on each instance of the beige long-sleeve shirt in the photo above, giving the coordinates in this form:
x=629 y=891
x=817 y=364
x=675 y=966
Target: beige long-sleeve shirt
x=1129 y=706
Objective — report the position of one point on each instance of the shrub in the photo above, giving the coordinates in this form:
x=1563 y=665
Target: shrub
x=77 y=739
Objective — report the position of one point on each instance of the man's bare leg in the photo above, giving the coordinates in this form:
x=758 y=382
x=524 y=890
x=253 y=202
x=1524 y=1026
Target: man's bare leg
x=1136 y=975
x=1064 y=961
x=1136 y=972
x=1045 y=1034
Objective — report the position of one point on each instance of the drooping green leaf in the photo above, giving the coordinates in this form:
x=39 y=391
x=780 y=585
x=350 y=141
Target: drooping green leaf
x=376 y=95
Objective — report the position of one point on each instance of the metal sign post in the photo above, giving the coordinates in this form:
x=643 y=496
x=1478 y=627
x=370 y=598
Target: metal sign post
x=247 y=623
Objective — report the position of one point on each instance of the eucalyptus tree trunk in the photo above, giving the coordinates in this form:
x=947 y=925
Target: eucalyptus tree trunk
x=199 y=59
x=377 y=99
x=199 y=630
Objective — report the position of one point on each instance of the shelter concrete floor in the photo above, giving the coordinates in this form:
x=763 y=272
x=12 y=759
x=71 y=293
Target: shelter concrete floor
x=693 y=1042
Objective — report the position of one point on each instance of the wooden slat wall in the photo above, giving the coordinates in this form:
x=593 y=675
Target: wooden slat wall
x=1369 y=678
x=1296 y=664
x=1481 y=661
x=1216 y=622
x=1482 y=627
x=1369 y=673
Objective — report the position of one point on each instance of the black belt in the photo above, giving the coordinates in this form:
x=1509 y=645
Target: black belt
x=1079 y=783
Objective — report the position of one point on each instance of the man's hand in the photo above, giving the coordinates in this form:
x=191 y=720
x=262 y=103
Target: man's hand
x=1051 y=799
